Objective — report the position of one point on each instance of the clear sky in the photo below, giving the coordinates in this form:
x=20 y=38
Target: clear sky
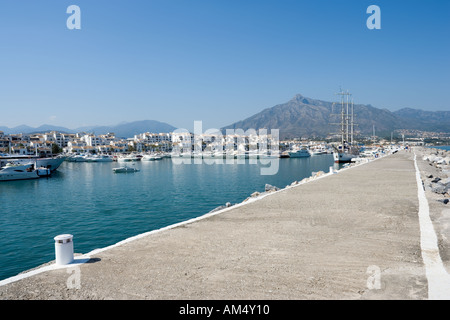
x=218 y=61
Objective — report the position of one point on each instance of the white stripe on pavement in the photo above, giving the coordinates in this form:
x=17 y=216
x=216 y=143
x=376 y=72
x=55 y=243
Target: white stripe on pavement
x=437 y=276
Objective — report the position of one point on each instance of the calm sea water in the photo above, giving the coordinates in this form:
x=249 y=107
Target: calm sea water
x=442 y=147
x=101 y=208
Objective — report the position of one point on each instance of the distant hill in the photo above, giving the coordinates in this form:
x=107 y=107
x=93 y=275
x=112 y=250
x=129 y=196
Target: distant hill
x=22 y=128
x=306 y=117
x=129 y=129
x=425 y=120
x=299 y=117
x=122 y=130
x=48 y=128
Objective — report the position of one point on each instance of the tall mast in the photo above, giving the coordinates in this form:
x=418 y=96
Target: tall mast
x=346 y=121
x=342 y=118
x=346 y=124
x=351 y=141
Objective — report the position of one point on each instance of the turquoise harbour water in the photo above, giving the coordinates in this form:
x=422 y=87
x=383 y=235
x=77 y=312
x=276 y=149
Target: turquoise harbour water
x=101 y=208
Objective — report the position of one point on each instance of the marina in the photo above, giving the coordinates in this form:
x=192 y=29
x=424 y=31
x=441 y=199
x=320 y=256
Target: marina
x=253 y=247
x=94 y=196
x=101 y=208
x=222 y=151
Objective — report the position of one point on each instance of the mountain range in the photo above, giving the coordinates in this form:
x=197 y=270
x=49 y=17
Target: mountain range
x=299 y=117
x=306 y=117
x=122 y=130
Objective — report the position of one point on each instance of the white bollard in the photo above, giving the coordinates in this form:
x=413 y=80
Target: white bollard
x=64 y=249
x=331 y=169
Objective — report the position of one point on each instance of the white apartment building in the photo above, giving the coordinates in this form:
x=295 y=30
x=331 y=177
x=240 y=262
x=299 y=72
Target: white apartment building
x=108 y=138
x=153 y=137
x=75 y=146
x=92 y=141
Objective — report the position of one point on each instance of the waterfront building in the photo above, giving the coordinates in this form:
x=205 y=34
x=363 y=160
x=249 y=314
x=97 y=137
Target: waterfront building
x=4 y=142
x=75 y=146
x=108 y=138
x=92 y=140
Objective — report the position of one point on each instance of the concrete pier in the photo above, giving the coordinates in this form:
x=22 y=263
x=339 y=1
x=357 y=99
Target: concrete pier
x=351 y=235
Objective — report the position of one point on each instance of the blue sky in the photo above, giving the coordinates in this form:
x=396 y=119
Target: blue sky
x=218 y=61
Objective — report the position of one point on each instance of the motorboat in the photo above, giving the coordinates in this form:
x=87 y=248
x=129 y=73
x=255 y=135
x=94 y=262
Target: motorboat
x=100 y=158
x=125 y=169
x=78 y=158
x=151 y=157
x=300 y=153
x=12 y=172
x=104 y=158
x=130 y=157
x=318 y=151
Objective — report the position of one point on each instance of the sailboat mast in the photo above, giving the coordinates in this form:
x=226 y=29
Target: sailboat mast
x=346 y=120
x=342 y=118
x=352 y=124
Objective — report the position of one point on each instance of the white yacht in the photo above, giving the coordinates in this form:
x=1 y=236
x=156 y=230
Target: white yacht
x=78 y=158
x=299 y=153
x=318 y=150
x=130 y=157
x=100 y=158
x=51 y=163
x=151 y=157
x=18 y=172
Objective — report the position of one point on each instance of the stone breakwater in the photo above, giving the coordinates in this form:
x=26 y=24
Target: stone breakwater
x=437 y=177
x=268 y=188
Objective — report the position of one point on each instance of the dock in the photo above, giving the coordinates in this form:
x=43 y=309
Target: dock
x=356 y=234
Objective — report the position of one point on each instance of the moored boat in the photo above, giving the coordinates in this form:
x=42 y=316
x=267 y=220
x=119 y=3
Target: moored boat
x=51 y=163
x=346 y=151
x=12 y=172
x=318 y=151
x=78 y=158
x=151 y=157
x=127 y=158
x=100 y=158
x=125 y=169
x=299 y=153
x=343 y=156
